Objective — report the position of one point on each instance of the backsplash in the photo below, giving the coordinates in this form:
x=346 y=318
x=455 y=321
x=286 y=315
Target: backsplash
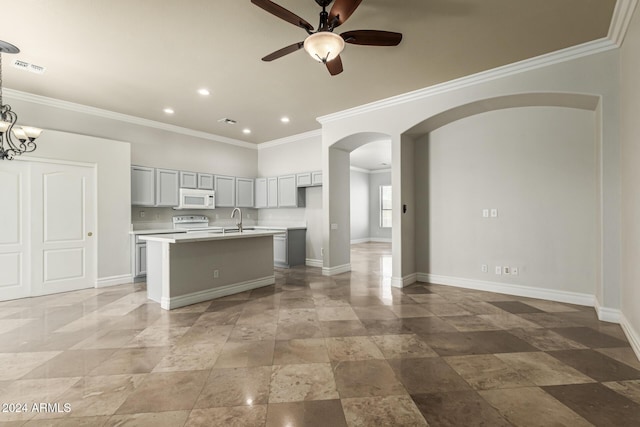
x=151 y=217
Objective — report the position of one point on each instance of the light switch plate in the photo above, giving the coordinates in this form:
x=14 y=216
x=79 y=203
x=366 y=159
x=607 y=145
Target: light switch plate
x=334 y=226
x=494 y=213
x=499 y=271
x=485 y=213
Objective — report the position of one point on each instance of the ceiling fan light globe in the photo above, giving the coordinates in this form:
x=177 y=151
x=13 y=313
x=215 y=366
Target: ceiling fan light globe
x=324 y=46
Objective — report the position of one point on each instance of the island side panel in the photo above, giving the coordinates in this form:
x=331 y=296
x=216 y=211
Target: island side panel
x=157 y=270
x=242 y=264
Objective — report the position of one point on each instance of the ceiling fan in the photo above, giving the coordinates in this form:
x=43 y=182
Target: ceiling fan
x=323 y=44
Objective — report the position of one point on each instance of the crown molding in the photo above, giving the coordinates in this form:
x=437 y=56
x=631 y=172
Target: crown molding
x=563 y=55
x=106 y=114
x=620 y=20
x=289 y=139
x=357 y=169
x=369 y=171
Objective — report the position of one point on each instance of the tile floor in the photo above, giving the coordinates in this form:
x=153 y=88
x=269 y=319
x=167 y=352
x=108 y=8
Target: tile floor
x=315 y=351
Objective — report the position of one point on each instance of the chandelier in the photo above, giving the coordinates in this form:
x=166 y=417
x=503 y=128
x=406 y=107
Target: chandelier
x=14 y=140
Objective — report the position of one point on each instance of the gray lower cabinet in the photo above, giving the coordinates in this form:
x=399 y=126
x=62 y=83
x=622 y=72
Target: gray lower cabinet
x=143 y=186
x=289 y=248
x=141 y=260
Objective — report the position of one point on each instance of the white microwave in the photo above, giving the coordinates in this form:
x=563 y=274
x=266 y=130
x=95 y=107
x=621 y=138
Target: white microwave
x=196 y=199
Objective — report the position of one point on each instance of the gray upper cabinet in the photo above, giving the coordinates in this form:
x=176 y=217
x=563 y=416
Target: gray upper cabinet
x=289 y=195
x=316 y=178
x=142 y=186
x=244 y=192
x=303 y=179
x=272 y=192
x=225 y=187
x=188 y=179
x=261 y=193
x=205 y=181
x=167 y=185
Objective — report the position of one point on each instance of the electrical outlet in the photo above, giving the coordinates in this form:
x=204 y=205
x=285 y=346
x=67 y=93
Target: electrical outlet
x=157 y=216
x=494 y=213
x=505 y=270
x=499 y=270
x=514 y=271
x=485 y=213
x=485 y=268
x=142 y=214
x=216 y=274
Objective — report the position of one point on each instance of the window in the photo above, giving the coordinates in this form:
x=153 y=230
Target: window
x=385 y=206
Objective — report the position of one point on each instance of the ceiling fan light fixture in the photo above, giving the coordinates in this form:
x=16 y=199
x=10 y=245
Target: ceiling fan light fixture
x=324 y=46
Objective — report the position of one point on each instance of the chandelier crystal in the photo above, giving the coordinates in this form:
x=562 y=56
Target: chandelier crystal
x=14 y=140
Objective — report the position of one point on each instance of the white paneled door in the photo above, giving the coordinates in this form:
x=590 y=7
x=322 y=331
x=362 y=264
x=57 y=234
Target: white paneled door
x=14 y=236
x=57 y=223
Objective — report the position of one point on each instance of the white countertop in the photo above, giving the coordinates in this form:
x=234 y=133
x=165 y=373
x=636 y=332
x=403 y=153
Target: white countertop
x=213 y=227
x=203 y=236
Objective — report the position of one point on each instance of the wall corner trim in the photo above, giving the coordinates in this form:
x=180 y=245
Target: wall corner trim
x=339 y=269
x=510 y=289
x=404 y=281
x=122 y=279
x=632 y=335
x=620 y=20
x=606 y=314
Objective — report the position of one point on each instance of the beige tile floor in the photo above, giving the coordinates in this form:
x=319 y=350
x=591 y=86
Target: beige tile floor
x=315 y=351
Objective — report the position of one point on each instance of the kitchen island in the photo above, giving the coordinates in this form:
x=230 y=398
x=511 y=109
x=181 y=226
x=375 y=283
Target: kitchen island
x=187 y=268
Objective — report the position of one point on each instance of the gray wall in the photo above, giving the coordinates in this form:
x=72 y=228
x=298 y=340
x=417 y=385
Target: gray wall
x=360 y=206
x=538 y=166
x=630 y=136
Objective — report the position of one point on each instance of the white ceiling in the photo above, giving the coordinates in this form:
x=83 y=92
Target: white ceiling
x=372 y=156
x=138 y=57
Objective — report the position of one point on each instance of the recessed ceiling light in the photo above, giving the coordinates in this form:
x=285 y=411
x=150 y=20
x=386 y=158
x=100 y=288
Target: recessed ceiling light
x=168 y=110
x=285 y=120
x=204 y=92
x=246 y=131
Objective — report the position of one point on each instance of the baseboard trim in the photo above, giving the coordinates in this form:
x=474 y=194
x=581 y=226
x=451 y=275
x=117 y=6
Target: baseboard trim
x=363 y=240
x=401 y=282
x=371 y=239
x=606 y=314
x=104 y=282
x=632 y=335
x=223 y=291
x=310 y=262
x=339 y=269
x=510 y=289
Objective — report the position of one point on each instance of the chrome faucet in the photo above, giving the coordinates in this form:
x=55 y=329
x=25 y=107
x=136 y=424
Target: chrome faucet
x=239 y=222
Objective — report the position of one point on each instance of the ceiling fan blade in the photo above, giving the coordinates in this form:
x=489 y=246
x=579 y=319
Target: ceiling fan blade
x=283 y=13
x=335 y=66
x=284 y=51
x=372 y=37
x=342 y=10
